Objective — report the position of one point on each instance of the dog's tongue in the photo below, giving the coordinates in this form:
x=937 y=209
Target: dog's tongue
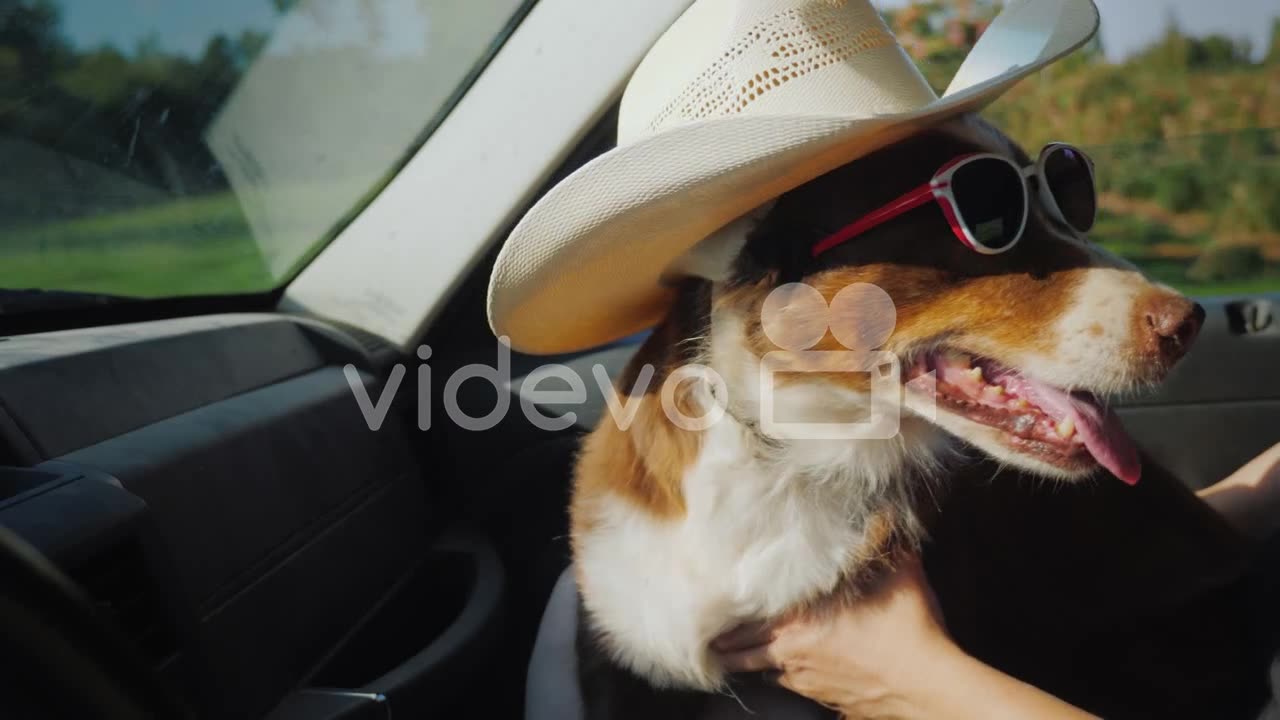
x=1103 y=435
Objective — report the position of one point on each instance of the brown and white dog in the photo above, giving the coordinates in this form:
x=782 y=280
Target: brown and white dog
x=680 y=535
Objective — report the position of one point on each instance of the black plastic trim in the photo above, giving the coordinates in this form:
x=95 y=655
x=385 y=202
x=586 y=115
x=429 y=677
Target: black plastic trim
x=332 y=705
x=134 y=310
x=452 y=655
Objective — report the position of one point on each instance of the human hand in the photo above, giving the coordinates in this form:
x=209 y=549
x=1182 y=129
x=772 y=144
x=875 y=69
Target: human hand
x=886 y=656
x=865 y=660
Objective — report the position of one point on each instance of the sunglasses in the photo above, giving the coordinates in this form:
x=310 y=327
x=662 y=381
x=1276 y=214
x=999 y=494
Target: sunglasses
x=986 y=198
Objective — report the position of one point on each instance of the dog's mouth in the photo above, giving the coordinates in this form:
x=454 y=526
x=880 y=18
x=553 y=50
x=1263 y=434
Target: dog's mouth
x=1073 y=431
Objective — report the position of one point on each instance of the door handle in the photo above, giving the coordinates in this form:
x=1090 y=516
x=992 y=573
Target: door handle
x=1250 y=317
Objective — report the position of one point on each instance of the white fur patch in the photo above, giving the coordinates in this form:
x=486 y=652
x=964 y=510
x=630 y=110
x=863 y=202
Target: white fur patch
x=1094 y=345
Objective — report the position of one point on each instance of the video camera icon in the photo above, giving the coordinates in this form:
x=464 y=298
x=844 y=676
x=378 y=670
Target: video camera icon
x=861 y=317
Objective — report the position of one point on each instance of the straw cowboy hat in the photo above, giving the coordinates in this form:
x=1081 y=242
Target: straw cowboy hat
x=739 y=102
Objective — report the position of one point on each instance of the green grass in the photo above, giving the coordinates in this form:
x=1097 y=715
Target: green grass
x=1231 y=289
x=196 y=246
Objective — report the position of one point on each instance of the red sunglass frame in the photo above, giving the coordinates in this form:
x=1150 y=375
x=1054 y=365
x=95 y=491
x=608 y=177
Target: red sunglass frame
x=938 y=189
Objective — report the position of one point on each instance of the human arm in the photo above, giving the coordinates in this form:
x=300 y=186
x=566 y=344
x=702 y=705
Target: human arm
x=1249 y=498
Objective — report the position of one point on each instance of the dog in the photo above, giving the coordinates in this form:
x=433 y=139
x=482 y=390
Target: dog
x=679 y=535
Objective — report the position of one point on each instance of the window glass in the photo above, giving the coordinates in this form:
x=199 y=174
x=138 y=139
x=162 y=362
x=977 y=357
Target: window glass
x=153 y=148
x=1178 y=101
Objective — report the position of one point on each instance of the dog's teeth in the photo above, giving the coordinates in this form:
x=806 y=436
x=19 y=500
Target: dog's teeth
x=1066 y=428
x=1020 y=404
x=994 y=391
x=976 y=374
x=1024 y=423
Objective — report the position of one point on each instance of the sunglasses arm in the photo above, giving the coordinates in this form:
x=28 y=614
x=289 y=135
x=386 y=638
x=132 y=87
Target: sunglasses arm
x=918 y=197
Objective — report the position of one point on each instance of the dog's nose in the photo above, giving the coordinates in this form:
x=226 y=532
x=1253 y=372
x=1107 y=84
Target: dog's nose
x=1173 y=322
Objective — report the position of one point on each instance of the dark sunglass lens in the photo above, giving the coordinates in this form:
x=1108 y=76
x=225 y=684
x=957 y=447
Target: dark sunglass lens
x=991 y=198
x=1070 y=180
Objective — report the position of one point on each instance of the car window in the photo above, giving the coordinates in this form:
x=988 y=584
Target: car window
x=157 y=148
x=1178 y=102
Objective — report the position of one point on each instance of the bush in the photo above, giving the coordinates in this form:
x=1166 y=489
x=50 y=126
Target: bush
x=1153 y=233
x=1262 y=187
x=1138 y=184
x=1234 y=262
x=1181 y=187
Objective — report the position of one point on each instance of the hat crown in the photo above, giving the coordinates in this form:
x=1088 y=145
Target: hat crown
x=771 y=57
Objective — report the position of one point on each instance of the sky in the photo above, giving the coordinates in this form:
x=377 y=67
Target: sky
x=182 y=25
x=1130 y=25
x=186 y=25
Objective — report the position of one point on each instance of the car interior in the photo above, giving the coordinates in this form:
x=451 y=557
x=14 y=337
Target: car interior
x=241 y=503
x=267 y=556
x=200 y=520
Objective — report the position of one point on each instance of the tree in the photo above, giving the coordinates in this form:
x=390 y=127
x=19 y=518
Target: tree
x=1216 y=52
x=1273 y=52
x=1171 y=53
x=30 y=29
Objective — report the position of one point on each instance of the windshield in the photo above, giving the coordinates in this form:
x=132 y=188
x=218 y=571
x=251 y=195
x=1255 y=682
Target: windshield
x=160 y=148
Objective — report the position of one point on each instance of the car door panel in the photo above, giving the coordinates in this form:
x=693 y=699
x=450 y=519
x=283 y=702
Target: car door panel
x=214 y=485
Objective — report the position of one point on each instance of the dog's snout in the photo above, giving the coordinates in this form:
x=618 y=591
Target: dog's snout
x=1172 y=323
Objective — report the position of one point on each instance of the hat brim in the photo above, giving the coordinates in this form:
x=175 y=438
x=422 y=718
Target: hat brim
x=584 y=266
